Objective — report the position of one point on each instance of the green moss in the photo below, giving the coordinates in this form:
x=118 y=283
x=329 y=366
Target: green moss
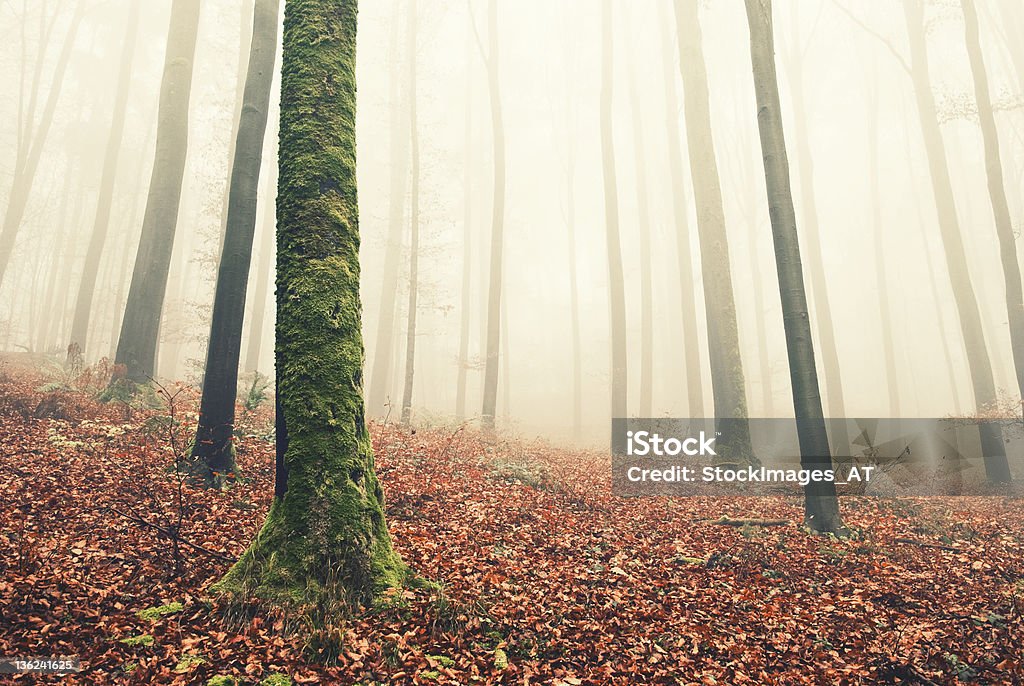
x=500 y=659
x=152 y=614
x=277 y=679
x=442 y=660
x=325 y=543
x=221 y=680
x=187 y=662
x=135 y=641
x=431 y=674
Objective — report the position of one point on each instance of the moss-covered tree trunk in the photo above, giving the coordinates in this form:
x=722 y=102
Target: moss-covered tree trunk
x=325 y=540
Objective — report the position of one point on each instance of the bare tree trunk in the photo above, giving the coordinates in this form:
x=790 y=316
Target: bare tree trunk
x=997 y=193
x=885 y=316
x=996 y=466
x=728 y=385
x=490 y=395
x=691 y=342
x=616 y=288
x=94 y=253
x=57 y=268
x=384 y=349
x=467 y=259
x=213 y=444
x=261 y=294
x=821 y=507
x=25 y=173
x=414 y=225
x=137 y=342
x=824 y=325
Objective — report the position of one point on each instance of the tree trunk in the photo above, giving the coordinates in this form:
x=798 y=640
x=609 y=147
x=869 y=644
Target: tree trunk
x=616 y=288
x=140 y=326
x=325 y=542
x=875 y=198
x=728 y=385
x=467 y=254
x=996 y=466
x=57 y=268
x=384 y=347
x=94 y=253
x=213 y=444
x=997 y=193
x=821 y=507
x=25 y=174
x=262 y=289
x=414 y=226
x=816 y=261
x=691 y=342
x=490 y=395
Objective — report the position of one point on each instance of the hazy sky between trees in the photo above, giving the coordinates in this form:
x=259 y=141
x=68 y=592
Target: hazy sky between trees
x=549 y=84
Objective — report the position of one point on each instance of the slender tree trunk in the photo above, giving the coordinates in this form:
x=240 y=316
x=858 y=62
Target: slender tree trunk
x=57 y=268
x=213 y=443
x=728 y=385
x=811 y=234
x=616 y=288
x=821 y=507
x=262 y=292
x=137 y=342
x=384 y=346
x=997 y=193
x=506 y=366
x=691 y=342
x=996 y=466
x=414 y=226
x=884 y=294
x=490 y=395
x=644 y=221
x=467 y=259
x=94 y=253
x=25 y=173
x=325 y=541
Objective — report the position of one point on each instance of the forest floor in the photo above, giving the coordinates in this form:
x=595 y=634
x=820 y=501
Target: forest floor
x=544 y=577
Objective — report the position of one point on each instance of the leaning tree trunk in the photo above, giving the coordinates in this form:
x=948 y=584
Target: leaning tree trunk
x=384 y=348
x=493 y=349
x=325 y=542
x=821 y=507
x=997 y=193
x=140 y=326
x=996 y=466
x=728 y=386
x=213 y=444
x=691 y=342
x=261 y=293
x=414 y=227
x=87 y=287
x=616 y=288
x=25 y=174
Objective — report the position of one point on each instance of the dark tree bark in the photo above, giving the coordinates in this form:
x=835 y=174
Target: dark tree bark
x=213 y=444
x=728 y=385
x=691 y=343
x=261 y=293
x=140 y=327
x=325 y=542
x=821 y=507
x=384 y=350
x=25 y=172
x=490 y=394
x=982 y=382
x=997 y=193
x=414 y=226
x=616 y=288
x=101 y=225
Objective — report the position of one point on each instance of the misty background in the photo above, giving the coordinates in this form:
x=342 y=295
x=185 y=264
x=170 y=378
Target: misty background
x=549 y=83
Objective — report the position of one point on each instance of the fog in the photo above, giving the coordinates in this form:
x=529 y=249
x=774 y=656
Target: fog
x=850 y=57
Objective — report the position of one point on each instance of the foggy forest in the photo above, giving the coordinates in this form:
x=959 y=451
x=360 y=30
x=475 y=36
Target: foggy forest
x=331 y=333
